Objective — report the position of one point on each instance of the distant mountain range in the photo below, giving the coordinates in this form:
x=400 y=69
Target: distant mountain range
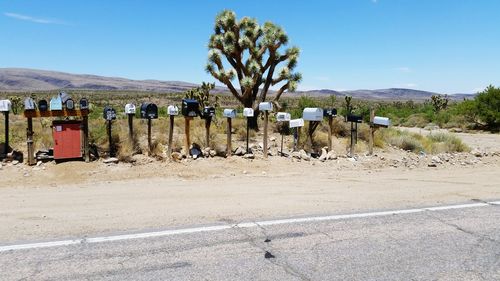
x=27 y=80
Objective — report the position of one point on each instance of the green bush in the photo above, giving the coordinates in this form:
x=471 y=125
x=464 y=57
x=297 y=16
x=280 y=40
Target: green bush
x=488 y=106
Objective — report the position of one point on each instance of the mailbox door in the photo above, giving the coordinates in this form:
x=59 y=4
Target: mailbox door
x=67 y=140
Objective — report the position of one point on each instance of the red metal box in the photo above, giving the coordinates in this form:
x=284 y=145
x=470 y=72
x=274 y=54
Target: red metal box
x=67 y=139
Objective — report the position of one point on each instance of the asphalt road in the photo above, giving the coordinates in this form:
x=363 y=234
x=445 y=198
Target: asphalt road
x=451 y=244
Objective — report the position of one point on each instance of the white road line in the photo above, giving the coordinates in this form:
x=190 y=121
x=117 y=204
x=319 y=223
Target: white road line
x=239 y=225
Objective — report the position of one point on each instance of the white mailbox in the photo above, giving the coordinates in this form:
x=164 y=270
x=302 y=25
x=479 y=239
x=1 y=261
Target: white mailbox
x=294 y=123
x=381 y=121
x=283 y=116
x=248 y=112
x=130 y=108
x=229 y=113
x=312 y=114
x=29 y=104
x=56 y=103
x=5 y=105
x=266 y=106
x=172 y=110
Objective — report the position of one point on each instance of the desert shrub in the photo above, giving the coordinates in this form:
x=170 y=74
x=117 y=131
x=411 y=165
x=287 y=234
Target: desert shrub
x=416 y=120
x=488 y=106
x=443 y=142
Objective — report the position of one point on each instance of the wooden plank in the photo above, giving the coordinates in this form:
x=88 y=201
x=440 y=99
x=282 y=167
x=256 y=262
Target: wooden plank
x=56 y=113
x=29 y=140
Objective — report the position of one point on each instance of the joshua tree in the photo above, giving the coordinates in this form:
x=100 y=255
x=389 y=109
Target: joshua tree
x=253 y=53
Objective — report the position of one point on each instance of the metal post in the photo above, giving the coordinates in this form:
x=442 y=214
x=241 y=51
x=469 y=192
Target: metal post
x=372 y=132
x=351 y=152
x=281 y=144
x=110 y=138
x=208 y=121
x=131 y=127
x=330 y=133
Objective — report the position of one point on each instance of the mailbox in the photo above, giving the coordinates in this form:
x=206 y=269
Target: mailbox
x=328 y=112
x=381 y=121
x=109 y=113
x=248 y=112
x=173 y=110
x=43 y=105
x=283 y=116
x=312 y=114
x=5 y=105
x=149 y=110
x=229 y=113
x=29 y=104
x=84 y=104
x=190 y=107
x=56 y=103
x=266 y=106
x=64 y=97
x=294 y=123
x=70 y=104
x=208 y=111
x=130 y=108
x=354 y=118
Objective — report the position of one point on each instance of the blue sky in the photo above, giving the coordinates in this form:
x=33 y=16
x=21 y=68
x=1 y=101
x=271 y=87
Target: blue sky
x=447 y=46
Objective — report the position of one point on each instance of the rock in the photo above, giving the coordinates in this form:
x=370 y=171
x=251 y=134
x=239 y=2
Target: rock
x=249 y=156
x=15 y=162
x=111 y=160
x=39 y=163
x=212 y=153
x=272 y=138
x=245 y=172
x=433 y=165
x=324 y=155
x=476 y=152
x=436 y=159
x=206 y=152
x=304 y=155
x=296 y=155
x=331 y=155
x=177 y=156
x=239 y=151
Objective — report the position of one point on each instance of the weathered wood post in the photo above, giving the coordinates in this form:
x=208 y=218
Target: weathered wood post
x=131 y=128
x=208 y=122
x=266 y=121
x=248 y=113
x=86 y=149
x=330 y=132
x=6 y=148
x=110 y=138
x=229 y=128
x=150 y=143
x=353 y=141
x=170 y=136
x=187 y=139
x=372 y=132
x=29 y=141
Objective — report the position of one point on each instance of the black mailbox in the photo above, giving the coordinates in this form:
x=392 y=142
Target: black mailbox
x=327 y=112
x=109 y=113
x=190 y=108
x=70 y=104
x=208 y=111
x=43 y=105
x=84 y=104
x=354 y=118
x=149 y=110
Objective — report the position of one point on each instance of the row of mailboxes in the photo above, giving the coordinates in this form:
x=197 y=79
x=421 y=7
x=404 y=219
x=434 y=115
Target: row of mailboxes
x=56 y=103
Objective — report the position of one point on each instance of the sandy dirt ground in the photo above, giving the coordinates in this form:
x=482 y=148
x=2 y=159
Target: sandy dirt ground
x=79 y=199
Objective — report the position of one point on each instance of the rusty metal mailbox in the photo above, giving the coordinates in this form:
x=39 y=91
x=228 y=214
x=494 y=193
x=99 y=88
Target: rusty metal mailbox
x=67 y=139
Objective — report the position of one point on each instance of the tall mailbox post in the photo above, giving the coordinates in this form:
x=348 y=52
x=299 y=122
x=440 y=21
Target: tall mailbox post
x=229 y=114
x=109 y=114
x=172 y=111
x=314 y=116
x=248 y=113
x=266 y=107
x=296 y=124
x=376 y=122
x=5 y=107
x=330 y=113
x=283 y=117
x=130 y=112
x=208 y=114
x=190 y=109
x=354 y=119
x=149 y=111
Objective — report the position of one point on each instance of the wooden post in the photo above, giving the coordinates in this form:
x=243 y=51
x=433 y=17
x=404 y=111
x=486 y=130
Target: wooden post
x=6 y=148
x=330 y=133
x=208 y=121
x=187 y=139
x=170 y=136
x=281 y=152
x=110 y=138
x=248 y=127
x=351 y=151
x=229 y=127
x=86 y=149
x=372 y=132
x=131 y=128
x=29 y=141
x=266 y=120
x=150 y=144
